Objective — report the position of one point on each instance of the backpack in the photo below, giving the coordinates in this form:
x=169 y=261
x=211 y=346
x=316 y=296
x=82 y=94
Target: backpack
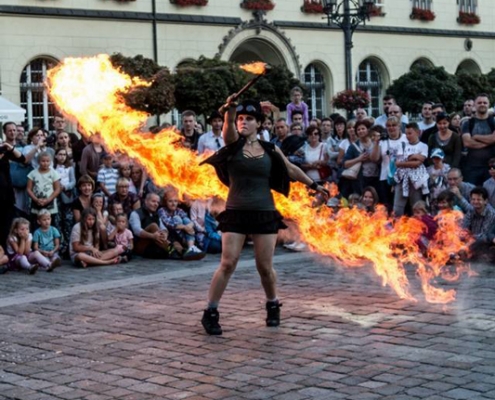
x=490 y=120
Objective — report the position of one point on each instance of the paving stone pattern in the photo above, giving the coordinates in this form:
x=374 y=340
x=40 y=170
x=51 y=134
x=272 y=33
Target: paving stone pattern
x=343 y=336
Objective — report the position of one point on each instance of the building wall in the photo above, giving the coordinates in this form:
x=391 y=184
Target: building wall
x=394 y=40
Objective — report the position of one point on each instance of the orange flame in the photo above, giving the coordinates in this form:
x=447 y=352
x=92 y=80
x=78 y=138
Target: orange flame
x=88 y=90
x=256 y=68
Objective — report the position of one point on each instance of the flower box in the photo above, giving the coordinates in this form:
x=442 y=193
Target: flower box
x=187 y=3
x=422 y=15
x=312 y=7
x=468 y=18
x=376 y=11
x=265 y=5
x=351 y=100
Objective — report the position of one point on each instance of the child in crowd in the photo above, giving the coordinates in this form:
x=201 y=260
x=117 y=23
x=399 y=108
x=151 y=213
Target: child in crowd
x=354 y=200
x=19 y=249
x=65 y=169
x=438 y=175
x=411 y=175
x=212 y=242
x=85 y=243
x=420 y=212
x=114 y=210
x=125 y=171
x=46 y=239
x=297 y=104
x=446 y=202
x=43 y=187
x=122 y=236
x=177 y=221
x=107 y=176
x=98 y=203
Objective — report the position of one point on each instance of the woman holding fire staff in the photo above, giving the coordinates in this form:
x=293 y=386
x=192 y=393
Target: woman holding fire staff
x=250 y=168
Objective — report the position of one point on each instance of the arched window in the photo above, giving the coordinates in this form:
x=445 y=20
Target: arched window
x=369 y=80
x=315 y=83
x=40 y=109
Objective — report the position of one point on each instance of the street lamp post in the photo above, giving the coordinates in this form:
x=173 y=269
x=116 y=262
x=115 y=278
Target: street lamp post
x=347 y=15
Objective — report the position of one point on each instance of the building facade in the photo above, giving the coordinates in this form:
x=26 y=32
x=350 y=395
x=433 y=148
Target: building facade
x=36 y=34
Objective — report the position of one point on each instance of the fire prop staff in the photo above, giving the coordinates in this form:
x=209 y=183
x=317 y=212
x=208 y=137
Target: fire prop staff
x=87 y=90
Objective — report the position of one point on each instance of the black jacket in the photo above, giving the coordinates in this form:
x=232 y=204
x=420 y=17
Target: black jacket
x=279 y=175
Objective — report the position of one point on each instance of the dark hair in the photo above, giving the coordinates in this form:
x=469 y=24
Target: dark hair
x=378 y=128
x=297 y=112
x=491 y=161
x=327 y=119
x=448 y=196
x=441 y=116
x=373 y=192
x=85 y=179
x=339 y=120
x=388 y=97
x=311 y=129
x=413 y=125
x=32 y=133
x=438 y=105
x=188 y=113
x=94 y=229
x=4 y=127
x=481 y=95
x=365 y=123
x=429 y=103
x=481 y=191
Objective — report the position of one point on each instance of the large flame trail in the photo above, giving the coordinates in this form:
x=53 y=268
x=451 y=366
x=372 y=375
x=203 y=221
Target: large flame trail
x=87 y=89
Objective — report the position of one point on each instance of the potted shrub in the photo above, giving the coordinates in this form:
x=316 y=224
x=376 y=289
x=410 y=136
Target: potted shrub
x=422 y=15
x=351 y=100
x=468 y=18
x=312 y=7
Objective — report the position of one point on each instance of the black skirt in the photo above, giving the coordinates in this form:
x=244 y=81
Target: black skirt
x=250 y=222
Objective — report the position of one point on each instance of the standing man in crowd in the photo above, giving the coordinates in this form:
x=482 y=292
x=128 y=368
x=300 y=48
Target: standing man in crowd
x=461 y=189
x=190 y=136
x=212 y=140
x=427 y=120
x=281 y=132
x=467 y=109
x=478 y=136
x=388 y=101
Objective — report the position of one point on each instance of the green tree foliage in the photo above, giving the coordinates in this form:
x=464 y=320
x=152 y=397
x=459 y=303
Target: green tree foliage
x=275 y=86
x=204 y=84
x=155 y=99
x=426 y=83
x=472 y=85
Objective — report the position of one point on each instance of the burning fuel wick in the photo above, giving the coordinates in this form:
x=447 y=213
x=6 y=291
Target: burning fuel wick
x=238 y=94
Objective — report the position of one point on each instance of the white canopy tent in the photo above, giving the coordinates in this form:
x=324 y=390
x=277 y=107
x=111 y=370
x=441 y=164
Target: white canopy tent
x=10 y=111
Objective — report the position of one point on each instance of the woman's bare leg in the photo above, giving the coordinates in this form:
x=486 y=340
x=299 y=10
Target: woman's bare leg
x=264 y=247
x=232 y=244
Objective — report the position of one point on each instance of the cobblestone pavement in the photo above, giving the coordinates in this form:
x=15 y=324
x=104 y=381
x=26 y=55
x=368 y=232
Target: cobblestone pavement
x=133 y=332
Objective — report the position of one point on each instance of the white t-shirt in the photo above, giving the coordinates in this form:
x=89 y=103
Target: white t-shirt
x=424 y=126
x=75 y=236
x=418 y=148
x=312 y=155
x=390 y=148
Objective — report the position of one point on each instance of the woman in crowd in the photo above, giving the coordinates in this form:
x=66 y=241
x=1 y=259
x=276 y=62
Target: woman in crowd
x=139 y=178
x=446 y=140
x=251 y=168
x=36 y=145
x=315 y=156
x=63 y=142
x=86 y=188
x=360 y=152
x=129 y=200
x=369 y=199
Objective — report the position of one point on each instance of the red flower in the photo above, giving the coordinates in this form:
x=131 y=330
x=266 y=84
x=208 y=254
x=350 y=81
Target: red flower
x=422 y=15
x=265 y=5
x=351 y=100
x=468 y=18
x=312 y=7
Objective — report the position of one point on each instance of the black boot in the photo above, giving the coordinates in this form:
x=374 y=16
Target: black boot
x=273 y=313
x=210 y=321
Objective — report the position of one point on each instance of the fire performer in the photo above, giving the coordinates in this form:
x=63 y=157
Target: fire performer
x=250 y=168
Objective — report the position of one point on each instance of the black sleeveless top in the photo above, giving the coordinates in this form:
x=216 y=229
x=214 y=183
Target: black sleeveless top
x=250 y=183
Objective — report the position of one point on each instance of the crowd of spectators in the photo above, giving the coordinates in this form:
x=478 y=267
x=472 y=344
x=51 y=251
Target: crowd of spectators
x=63 y=196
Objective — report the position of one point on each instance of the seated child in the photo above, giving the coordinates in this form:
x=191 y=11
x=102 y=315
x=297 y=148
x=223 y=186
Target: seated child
x=177 y=222
x=4 y=260
x=431 y=226
x=19 y=250
x=122 y=236
x=46 y=239
x=212 y=242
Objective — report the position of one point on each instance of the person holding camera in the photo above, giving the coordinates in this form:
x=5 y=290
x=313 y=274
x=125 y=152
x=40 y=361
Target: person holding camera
x=7 y=199
x=386 y=149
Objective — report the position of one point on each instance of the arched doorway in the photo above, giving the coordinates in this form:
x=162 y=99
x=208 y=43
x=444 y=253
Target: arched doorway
x=40 y=109
x=257 y=50
x=468 y=66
